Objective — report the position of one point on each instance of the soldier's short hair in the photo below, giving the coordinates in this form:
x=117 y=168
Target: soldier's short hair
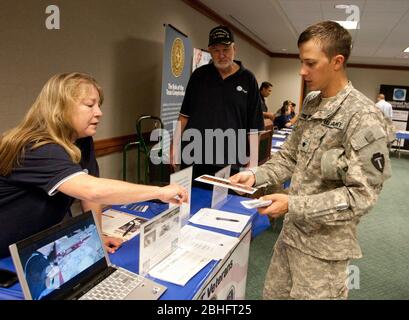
x=333 y=38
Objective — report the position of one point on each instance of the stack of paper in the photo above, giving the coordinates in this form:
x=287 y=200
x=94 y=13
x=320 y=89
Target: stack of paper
x=220 y=219
x=206 y=243
x=279 y=136
x=179 y=267
x=197 y=247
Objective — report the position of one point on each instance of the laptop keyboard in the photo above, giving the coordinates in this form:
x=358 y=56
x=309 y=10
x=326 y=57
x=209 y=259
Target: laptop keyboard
x=116 y=287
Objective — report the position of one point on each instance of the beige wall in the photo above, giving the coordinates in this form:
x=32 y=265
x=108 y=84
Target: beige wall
x=368 y=81
x=286 y=83
x=119 y=42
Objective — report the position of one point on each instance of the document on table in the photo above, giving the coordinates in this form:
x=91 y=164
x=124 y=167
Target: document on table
x=278 y=143
x=179 y=267
x=220 y=219
x=281 y=132
x=279 y=136
x=120 y=224
x=206 y=243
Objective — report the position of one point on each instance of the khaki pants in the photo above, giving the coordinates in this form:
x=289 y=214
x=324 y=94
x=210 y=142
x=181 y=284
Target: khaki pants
x=295 y=275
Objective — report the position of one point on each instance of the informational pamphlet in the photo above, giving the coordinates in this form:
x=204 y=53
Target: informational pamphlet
x=180 y=266
x=225 y=183
x=158 y=239
x=120 y=224
x=206 y=243
x=256 y=203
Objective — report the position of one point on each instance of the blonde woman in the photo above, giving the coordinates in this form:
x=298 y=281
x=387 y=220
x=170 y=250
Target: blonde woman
x=48 y=160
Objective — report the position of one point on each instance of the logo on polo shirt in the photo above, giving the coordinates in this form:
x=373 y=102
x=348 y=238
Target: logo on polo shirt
x=240 y=89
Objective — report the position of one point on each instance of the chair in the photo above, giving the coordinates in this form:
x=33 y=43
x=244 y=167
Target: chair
x=154 y=174
x=264 y=148
x=124 y=158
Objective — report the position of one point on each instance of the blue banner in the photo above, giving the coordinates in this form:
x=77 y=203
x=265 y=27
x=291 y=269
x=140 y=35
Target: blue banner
x=177 y=62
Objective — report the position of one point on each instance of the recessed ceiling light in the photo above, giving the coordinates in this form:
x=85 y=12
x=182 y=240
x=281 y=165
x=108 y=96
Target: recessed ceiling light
x=341 y=6
x=350 y=25
x=284 y=49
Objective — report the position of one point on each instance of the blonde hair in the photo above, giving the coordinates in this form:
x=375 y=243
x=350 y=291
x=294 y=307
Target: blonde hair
x=47 y=121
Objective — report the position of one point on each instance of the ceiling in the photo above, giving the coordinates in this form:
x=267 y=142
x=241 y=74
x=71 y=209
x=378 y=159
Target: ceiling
x=276 y=25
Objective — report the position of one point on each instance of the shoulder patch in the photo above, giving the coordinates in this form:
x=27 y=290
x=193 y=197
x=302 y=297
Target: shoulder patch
x=378 y=161
x=366 y=136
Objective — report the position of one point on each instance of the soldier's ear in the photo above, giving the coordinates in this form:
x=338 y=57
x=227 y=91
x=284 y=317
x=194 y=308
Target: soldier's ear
x=338 y=62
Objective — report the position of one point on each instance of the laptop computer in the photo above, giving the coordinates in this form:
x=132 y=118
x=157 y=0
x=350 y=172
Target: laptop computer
x=68 y=261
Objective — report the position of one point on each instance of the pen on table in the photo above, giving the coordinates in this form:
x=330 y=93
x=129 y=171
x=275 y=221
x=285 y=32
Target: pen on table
x=106 y=215
x=129 y=228
x=226 y=219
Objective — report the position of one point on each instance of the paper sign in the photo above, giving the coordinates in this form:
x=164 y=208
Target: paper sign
x=220 y=193
x=183 y=178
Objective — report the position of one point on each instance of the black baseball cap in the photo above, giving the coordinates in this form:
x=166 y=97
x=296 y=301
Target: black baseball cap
x=220 y=34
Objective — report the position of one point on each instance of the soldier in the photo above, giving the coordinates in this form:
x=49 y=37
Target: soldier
x=337 y=159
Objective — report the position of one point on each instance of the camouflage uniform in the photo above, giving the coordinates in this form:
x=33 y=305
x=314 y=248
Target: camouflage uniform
x=337 y=158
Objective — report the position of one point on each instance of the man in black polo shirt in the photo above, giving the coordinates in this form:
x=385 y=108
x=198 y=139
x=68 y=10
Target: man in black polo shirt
x=222 y=103
x=265 y=90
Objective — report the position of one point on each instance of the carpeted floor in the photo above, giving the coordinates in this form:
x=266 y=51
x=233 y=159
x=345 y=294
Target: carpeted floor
x=383 y=272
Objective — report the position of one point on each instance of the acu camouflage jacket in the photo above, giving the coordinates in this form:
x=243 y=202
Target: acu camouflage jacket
x=337 y=158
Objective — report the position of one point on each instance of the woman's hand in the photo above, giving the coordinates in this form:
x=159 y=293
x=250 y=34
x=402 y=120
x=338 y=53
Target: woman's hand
x=174 y=193
x=111 y=244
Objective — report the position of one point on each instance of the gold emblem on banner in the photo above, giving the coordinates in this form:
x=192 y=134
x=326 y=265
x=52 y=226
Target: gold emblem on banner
x=177 y=57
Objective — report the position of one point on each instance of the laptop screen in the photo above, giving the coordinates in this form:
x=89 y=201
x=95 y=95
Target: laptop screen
x=58 y=260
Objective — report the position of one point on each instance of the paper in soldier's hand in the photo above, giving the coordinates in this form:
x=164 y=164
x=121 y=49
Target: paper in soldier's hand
x=225 y=183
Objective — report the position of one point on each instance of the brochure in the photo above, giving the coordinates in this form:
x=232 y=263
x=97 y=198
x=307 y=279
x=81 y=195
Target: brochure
x=120 y=224
x=225 y=183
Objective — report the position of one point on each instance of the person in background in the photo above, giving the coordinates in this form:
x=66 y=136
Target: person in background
x=337 y=159
x=265 y=90
x=221 y=97
x=48 y=160
x=284 y=119
x=294 y=116
x=384 y=106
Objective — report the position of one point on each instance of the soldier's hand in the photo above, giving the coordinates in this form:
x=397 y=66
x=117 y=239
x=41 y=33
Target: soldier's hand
x=246 y=178
x=278 y=208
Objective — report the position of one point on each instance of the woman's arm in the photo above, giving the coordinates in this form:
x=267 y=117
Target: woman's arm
x=107 y=191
